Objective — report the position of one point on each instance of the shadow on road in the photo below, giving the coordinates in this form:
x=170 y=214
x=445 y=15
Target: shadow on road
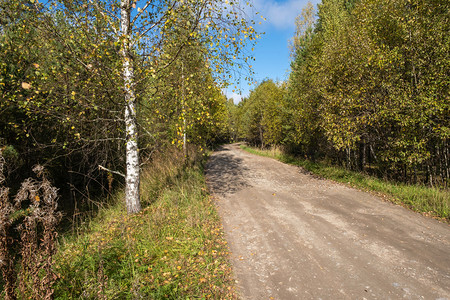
x=225 y=173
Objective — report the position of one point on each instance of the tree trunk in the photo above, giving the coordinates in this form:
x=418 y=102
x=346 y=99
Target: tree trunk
x=446 y=162
x=348 y=157
x=261 y=137
x=430 y=175
x=132 y=179
x=183 y=111
x=364 y=157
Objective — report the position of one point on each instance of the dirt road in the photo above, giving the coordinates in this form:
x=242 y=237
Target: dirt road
x=293 y=236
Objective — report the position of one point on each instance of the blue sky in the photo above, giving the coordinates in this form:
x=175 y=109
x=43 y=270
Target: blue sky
x=272 y=51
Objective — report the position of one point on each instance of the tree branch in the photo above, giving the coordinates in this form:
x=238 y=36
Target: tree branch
x=100 y=167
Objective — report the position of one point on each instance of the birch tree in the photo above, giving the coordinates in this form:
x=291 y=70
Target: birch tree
x=132 y=152
x=120 y=45
x=220 y=26
x=79 y=76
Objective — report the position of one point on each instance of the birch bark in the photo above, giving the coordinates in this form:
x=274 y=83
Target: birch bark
x=132 y=178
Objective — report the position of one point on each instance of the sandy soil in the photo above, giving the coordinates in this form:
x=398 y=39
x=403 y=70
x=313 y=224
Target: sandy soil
x=293 y=236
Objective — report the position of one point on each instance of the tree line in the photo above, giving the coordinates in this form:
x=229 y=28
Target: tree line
x=90 y=89
x=368 y=89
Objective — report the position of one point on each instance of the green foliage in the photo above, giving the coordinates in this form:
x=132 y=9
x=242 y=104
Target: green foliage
x=262 y=113
x=369 y=89
x=188 y=99
x=59 y=98
x=64 y=95
x=62 y=87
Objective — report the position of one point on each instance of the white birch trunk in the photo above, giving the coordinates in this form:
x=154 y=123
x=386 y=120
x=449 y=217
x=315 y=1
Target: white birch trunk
x=132 y=178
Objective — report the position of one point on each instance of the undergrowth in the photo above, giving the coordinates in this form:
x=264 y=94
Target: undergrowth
x=433 y=202
x=173 y=249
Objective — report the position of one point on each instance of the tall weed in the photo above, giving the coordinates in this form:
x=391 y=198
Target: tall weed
x=36 y=216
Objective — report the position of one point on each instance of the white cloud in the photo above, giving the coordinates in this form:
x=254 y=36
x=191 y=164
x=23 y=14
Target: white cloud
x=280 y=14
x=236 y=97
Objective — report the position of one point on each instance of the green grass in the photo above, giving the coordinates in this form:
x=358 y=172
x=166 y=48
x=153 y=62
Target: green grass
x=429 y=201
x=173 y=249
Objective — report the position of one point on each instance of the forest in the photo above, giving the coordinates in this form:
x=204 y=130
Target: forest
x=79 y=90
x=368 y=90
x=92 y=94
x=108 y=110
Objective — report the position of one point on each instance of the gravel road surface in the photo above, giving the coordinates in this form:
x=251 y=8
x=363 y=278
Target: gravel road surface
x=293 y=236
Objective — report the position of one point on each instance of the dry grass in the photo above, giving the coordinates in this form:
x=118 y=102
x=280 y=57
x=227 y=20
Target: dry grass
x=173 y=249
